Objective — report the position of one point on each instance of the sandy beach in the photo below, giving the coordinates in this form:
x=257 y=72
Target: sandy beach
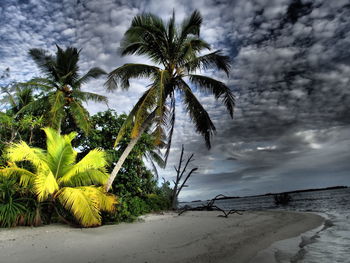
x=191 y=237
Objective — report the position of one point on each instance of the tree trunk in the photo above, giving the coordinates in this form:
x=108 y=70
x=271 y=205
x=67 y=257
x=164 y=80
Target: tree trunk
x=121 y=161
x=127 y=151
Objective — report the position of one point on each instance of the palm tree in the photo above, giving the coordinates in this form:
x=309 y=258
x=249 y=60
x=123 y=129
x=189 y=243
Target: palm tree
x=62 y=86
x=15 y=97
x=178 y=52
x=78 y=187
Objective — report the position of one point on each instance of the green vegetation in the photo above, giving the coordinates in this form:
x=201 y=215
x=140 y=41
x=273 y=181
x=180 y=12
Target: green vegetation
x=58 y=163
x=56 y=177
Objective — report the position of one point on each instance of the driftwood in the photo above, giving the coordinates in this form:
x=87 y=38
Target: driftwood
x=210 y=206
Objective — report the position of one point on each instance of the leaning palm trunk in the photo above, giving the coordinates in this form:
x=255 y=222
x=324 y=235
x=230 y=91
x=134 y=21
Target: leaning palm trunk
x=127 y=151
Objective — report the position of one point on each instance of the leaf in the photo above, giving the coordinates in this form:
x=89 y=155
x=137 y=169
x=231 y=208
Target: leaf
x=218 y=88
x=82 y=203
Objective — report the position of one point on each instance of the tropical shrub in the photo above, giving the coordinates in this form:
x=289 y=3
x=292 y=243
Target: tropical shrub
x=282 y=199
x=58 y=178
x=17 y=205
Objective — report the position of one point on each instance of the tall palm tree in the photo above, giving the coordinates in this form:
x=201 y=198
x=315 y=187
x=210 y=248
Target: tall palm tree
x=61 y=86
x=58 y=178
x=178 y=52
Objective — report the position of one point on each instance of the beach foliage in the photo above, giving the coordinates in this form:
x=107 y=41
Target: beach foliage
x=57 y=177
x=136 y=185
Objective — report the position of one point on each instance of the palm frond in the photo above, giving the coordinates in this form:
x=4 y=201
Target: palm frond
x=35 y=105
x=121 y=76
x=146 y=36
x=92 y=166
x=45 y=62
x=26 y=177
x=45 y=184
x=191 y=25
x=130 y=119
x=20 y=151
x=208 y=61
x=86 y=177
x=80 y=115
x=93 y=73
x=198 y=114
x=82 y=204
x=106 y=201
x=56 y=114
x=67 y=65
x=60 y=153
x=160 y=119
x=148 y=103
x=86 y=96
x=43 y=84
x=218 y=88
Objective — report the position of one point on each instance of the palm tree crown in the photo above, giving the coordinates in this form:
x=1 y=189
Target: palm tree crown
x=59 y=178
x=62 y=86
x=178 y=52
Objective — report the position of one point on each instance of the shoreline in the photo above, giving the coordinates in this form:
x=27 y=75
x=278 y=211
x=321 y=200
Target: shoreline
x=290 y=249
x=191 y=237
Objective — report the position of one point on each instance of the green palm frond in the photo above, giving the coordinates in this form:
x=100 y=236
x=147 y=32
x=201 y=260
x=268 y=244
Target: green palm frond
x=34 y=105
x=44 y=61
x=145 y=36
x=57 y=102
x=86 y=96
x=191 y=26
x=93 y=73
x=60 y=153
x=80 y=115
x=130 y=118
x=197 y=113
x=120 y=77
x=67 y=65
x=218 y=88
x=208 y=61
x=43 y=84
x=149 y=103
x=161 y=111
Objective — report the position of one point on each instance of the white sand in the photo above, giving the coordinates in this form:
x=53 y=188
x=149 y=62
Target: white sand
x=191 y=237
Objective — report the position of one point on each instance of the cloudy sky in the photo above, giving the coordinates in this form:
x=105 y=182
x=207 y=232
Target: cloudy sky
x=290 y=75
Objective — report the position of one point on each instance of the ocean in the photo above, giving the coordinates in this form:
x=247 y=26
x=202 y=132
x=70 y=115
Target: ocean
x=331 y=243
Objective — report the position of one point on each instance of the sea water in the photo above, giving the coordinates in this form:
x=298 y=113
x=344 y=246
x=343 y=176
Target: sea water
x=331 y=243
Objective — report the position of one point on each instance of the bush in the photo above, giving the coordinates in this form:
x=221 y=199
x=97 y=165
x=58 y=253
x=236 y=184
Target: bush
x=282 y=199
x=157 y=202
x=17 y=205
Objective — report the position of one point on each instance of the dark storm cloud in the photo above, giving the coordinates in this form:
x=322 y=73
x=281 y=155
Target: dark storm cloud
x=290 y=74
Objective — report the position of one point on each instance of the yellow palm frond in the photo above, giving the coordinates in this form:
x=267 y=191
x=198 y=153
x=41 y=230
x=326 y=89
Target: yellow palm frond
x=22 y=152
x=26 y=177
x=82 y=203
x=87 y=177
x=45 y=184
x=105 y=200
x=95 y=160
